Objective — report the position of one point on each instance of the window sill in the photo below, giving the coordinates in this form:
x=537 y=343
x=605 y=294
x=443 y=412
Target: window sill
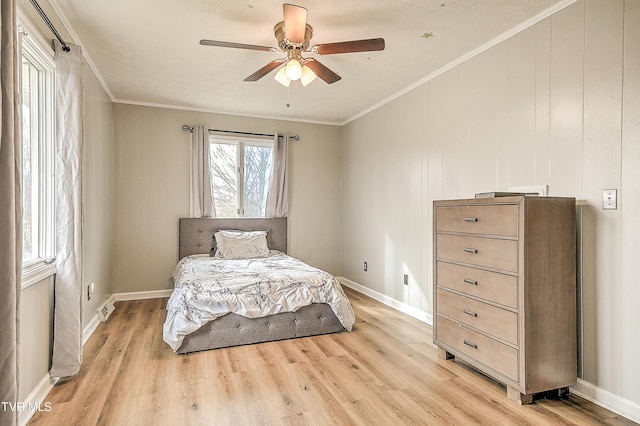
x=33 y=274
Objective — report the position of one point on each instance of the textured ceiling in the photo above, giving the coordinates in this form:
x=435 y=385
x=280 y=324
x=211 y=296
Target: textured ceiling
x=148 y=52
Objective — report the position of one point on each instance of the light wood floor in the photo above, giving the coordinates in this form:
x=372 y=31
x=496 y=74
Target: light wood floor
x=385 y=372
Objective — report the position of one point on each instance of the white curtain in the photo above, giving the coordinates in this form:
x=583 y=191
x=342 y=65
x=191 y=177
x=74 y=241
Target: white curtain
x=201 y=190
x=67 y=332
x=278 y=195
x=10 y=212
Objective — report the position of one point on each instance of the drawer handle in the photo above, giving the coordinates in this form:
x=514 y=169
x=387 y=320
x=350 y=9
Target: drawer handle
x=471 y=282
x=470 y=250
x=468 y=312
x=471 y=219
x=473 y=345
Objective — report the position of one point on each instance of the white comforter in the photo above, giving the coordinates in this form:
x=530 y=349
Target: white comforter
x=207 y=288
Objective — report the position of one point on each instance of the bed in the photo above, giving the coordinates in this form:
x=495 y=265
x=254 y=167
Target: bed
x=227 y=300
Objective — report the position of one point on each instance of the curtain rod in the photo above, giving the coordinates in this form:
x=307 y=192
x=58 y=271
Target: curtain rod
x=46 y=20
x=188 y=128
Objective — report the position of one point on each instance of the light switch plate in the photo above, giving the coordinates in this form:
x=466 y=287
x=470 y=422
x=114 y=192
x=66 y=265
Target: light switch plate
x=609 y=199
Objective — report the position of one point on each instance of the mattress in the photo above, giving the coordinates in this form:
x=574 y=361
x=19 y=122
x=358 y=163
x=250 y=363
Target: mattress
x=207 y=288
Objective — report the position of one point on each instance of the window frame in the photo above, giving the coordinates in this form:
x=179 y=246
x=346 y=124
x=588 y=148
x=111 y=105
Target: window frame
x=240 y=143
x=40 y=56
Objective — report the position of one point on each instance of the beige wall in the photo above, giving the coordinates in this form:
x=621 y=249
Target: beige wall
x=556 y=105
x=98 y=195
x=624 y=307
x=152 y=190
x=548 y=106
x=36 y=331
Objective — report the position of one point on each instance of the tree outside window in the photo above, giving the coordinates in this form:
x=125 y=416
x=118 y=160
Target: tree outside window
x=37 y=104
x=240 y=176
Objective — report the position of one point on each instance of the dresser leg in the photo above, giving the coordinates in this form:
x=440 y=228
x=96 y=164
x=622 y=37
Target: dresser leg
x=443 y=354
x=515 y=395
x=563 y=392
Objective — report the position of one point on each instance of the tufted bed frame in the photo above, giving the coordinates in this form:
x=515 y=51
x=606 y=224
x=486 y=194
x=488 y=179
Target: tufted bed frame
x=195 y=237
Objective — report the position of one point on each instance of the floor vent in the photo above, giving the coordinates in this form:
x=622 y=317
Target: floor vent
x=106 y=310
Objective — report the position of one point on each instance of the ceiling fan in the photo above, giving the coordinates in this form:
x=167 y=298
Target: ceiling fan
x=293 y=36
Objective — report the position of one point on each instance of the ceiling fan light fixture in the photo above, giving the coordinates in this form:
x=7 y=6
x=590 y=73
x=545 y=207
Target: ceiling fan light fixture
x=293 y=69
x=294 y=36
x=307 y=75
x=281 y=77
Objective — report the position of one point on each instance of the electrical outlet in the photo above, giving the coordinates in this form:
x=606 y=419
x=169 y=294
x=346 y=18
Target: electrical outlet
x=90 y=289
x=365 y=266
x=406 y=279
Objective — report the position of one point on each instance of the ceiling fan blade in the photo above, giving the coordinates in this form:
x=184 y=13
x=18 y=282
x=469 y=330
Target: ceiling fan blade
x=321 y=71
x=295 y=22
x=368 y=45
x=265 y=70
x=217 y=43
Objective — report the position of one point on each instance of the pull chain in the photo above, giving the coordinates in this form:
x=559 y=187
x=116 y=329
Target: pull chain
x=288 y=104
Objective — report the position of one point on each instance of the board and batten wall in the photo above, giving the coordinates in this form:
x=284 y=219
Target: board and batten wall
x=152 y=186
x=557 y=104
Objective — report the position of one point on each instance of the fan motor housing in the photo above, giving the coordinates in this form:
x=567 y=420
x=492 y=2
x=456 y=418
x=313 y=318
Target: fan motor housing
x=286 y=44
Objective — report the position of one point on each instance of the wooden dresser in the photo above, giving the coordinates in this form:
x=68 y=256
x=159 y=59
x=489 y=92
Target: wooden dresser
x=505 y=289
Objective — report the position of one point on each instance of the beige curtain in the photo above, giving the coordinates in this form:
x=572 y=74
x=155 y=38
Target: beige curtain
x=201 y=189
x=67 y=328
x=278 y=195
x=10 y=213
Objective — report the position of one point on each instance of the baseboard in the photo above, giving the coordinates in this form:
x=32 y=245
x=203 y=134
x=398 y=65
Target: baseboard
x=139 y=295
x=36 y=400
x=91 y=326
x=89 y=329
x=388 y=301
x=583 y=389
x=608 y=400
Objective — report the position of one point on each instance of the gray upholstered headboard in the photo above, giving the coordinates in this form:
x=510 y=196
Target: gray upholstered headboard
x=195 y=234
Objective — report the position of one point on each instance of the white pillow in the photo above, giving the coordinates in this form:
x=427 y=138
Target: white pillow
x=241 y=245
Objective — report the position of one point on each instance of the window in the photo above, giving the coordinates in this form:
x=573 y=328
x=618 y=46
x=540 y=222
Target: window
x=38 y=150
x=240 y=176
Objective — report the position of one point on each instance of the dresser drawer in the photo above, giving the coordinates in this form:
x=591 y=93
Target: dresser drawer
x=492 y=286
x=493 y=354
x=490 y=319
x=491 y=220
x=487 y=252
